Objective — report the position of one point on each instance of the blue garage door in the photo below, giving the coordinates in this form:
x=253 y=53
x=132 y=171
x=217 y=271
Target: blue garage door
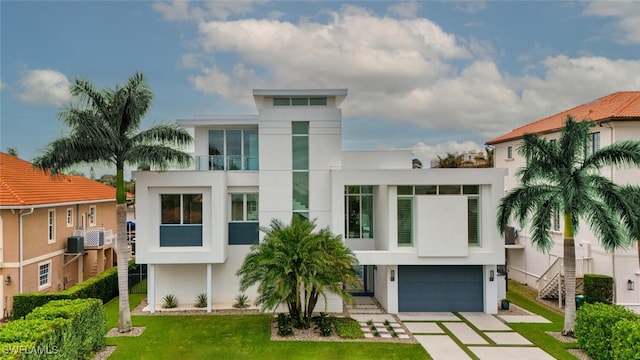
x=440 y=288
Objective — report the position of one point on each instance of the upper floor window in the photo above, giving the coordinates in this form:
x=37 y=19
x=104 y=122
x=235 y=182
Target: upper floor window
x=358 y=212
x=233 y=149
x=181 y=220
x=300 y=167
x=300 y=101
x=92 y=215
x=555 y=221
x=51 y=226
x=244 y=207
x=594 y=143
x=69 y=217
x=510 y=152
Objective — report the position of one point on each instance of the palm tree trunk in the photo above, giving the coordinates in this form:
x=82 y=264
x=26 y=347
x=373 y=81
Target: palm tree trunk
x=569 y=276
x=122 y=252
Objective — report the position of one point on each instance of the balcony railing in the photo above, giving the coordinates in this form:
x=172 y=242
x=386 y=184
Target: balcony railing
x=229 y=162
x=96 y=237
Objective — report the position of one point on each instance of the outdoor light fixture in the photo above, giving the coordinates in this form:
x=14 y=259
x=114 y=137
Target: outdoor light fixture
x=393 y=275
x=491 y=275
x=630 y=284
x=7 y=280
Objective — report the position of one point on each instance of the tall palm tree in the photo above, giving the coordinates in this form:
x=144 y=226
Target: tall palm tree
x=294 y=266
x=563 y=177
x=104 y=128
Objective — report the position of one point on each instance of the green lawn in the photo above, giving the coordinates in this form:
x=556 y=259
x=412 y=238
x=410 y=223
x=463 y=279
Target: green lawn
x=536 y=333
x=235 y=337
x=247 y=337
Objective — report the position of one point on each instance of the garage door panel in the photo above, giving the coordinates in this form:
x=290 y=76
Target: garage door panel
x=440 y=288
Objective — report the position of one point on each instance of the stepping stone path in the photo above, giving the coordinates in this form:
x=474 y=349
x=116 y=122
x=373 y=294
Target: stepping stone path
x=370 y=315
x=386 y=330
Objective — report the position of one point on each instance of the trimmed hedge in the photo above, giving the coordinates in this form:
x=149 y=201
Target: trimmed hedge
x=104 y=286
x=594 y=328
x=598 y=289
x=625 y=342
x=61 y=329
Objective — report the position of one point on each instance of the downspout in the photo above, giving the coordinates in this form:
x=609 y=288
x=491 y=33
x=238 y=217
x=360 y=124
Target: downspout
x=21 y=247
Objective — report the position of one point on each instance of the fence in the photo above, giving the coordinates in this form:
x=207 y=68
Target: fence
x=138 y=279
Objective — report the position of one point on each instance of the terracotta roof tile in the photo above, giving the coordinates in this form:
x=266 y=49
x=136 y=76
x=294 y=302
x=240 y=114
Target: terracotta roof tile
x=622 y=105
x=23 y=185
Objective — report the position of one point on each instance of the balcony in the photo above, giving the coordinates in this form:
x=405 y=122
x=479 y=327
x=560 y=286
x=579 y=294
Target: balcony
x=229 y=162
x=96 y=237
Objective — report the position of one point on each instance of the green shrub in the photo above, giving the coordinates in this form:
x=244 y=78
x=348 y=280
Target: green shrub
x=242 y=302
x=598 y=288
x=103 y=286
x=348 y=328
x=170 y=301
x=201 y=300
x=88 y=322
x=625 y=341
x=594 y=327
x=61 y=329
x=284 y=325
x=324 y=324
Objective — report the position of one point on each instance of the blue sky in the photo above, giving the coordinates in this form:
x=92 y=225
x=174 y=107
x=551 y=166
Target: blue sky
x=430 y=76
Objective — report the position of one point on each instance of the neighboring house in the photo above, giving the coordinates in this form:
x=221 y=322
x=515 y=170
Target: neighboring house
x=618 y=118
x=41 y=221
x=425 y=239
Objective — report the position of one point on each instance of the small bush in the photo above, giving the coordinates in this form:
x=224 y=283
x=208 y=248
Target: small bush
x=625 y=342
x=201 y=300
x=594 y=328
x=348 y=328
x=170 y=301
x=324 y=325
x=598 y=289
x=242 y=302
x=284 y=325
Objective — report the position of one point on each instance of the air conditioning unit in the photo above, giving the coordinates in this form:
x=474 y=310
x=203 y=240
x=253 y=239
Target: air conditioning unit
x=75 y=244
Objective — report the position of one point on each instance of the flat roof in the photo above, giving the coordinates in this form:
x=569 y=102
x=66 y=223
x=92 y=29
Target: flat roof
x=300 y=92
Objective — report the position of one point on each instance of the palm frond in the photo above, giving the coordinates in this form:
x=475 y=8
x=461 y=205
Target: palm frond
x=63 y=153
x=619 y=154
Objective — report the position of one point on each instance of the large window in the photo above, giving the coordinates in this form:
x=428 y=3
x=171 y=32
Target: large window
x=51 y=226
x=405 y=221
x=300 y=162
x=405 y=209
x=358 y=212
x=243 y=227
x=233 y=149
x=244 y=207
x=181 y=220
x=44 y=275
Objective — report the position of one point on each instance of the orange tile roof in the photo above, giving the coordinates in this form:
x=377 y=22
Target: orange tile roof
x=23 y=185
x=622 y=105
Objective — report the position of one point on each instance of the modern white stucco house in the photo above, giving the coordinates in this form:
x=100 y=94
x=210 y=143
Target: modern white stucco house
x=426 y=239
x=617 y=118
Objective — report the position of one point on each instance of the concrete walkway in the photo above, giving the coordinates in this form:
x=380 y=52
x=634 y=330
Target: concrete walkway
x=461 y=336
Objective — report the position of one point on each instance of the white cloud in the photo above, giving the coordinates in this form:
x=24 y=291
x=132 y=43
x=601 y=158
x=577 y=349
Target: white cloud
x=44 y=87
x=406 y=9
x=626 y=18
x=181 y=10
x=403 y=70
x=3 y=85
x=470 y=7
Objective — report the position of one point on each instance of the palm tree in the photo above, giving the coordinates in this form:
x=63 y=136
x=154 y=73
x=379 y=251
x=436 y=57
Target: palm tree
x=562 y=177
x=294 y=266
x=452 y=160
x=104 y=127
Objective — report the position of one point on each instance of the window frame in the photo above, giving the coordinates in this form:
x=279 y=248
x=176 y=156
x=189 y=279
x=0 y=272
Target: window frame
x=509 y=152
x=555 y=221
x=245 y=207
x=360 y=194
x=47 y=284
x=69 y=217
x=51 y=226
x=92 y=215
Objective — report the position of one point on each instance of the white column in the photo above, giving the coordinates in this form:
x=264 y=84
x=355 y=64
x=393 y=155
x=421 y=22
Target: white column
x=209 y=298
x=151 y=287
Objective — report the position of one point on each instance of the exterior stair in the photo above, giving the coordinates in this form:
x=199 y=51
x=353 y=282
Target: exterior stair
x=94 y=269
x=552 y=288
